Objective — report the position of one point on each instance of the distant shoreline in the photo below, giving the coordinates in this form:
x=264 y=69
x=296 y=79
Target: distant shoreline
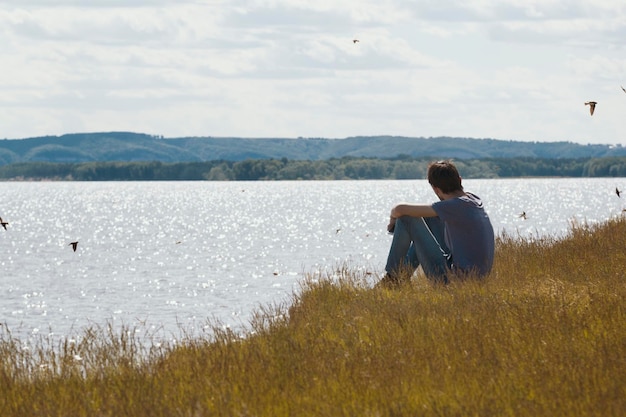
x=346 y=168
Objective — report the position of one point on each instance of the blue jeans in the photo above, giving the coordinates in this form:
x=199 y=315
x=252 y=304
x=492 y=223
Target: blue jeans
x=419 y=241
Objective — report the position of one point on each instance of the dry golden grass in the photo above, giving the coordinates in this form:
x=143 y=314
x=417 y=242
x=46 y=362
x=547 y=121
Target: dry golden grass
x=543 y=335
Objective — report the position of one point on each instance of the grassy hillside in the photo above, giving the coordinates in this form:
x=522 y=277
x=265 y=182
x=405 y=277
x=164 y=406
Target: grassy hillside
x=543 y=335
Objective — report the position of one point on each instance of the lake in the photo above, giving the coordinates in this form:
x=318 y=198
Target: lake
x=172 y=255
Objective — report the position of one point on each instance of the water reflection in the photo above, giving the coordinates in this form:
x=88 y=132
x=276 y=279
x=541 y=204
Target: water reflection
x=177 y=253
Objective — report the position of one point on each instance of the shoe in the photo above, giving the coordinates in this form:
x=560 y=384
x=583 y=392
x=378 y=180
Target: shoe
x=390 y=282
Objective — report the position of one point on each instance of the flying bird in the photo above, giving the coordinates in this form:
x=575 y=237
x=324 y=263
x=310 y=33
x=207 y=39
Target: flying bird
x=618 y=192
x=592 y=106
x=623 y=89
x=355 y=40
x=3 y=223
x=523 y=215
x=73 y=245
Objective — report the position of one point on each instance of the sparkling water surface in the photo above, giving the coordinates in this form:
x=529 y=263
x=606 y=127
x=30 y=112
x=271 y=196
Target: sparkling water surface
x=172 y=255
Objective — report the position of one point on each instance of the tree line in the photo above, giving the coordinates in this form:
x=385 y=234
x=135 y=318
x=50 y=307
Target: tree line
x=346 y=168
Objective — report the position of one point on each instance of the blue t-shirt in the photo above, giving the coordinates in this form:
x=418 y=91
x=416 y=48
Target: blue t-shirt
x=468 y=233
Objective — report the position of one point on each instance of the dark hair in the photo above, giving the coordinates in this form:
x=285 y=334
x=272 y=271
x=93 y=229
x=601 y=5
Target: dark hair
x=444 y=175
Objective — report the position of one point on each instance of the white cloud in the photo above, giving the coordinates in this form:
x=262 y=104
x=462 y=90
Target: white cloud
x=513 y=69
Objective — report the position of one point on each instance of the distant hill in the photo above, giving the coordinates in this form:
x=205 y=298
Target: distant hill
x=128 y=146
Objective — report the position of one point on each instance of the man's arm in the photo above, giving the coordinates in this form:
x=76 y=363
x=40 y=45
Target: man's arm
x=413 y=210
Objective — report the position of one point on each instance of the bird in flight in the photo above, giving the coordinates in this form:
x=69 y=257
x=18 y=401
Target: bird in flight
x=618 y=192
x=3 y=223
x=355 y=40
x=523 y=215
x=73 y=245
x=623 y=89
x=592 y=106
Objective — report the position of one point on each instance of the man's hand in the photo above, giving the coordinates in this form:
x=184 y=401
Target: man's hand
x=392 y=224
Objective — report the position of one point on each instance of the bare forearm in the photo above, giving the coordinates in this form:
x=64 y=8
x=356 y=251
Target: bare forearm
x=412 y=210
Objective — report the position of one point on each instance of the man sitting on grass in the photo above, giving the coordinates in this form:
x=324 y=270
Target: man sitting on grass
x=451 y=236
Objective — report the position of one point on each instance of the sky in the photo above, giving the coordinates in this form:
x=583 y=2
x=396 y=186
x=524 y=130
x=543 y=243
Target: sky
x=511 y=69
